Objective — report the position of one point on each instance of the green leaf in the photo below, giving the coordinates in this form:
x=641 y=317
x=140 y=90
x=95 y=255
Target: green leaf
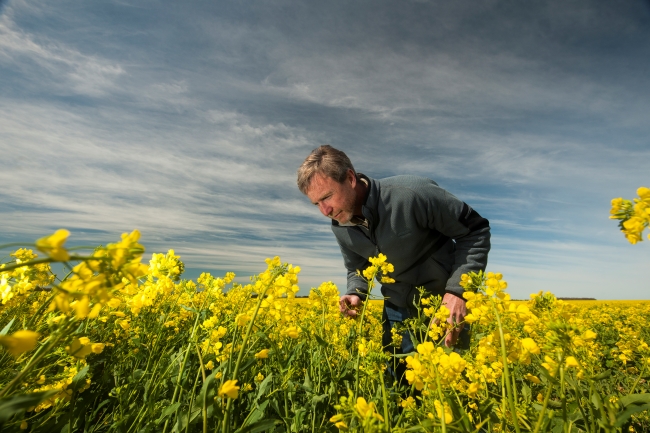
x=100 y=406
x=526 y=393
x=298 y=419
x=6 y=329
x=322 y=342
x=554 y=404
x=261 y=389
x=247 y=364
x=137 y=375
x=256 y=414
x=10 y=406
x=307 y=384
x=318 y=399
x=168 y=411
x=623 y=417
x=259 y=426
x=635 y=399
x=598 y=403
x=633 y=403
x=604 y=375
x=485 y=407
x=78 y=379
x=205 y=389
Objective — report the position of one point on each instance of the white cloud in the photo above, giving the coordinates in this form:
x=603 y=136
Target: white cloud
x=66 y=69
x=195 y=139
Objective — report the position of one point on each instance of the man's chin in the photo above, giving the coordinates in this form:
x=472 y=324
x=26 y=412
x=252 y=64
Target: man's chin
x=342 y=219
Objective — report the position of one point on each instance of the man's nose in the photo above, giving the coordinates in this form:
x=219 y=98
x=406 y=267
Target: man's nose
x=325 y=209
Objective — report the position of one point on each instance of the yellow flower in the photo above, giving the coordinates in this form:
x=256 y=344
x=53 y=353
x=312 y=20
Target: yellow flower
x=81 y=308
x=209 y=365
x=259 y=377
x=114 y=302
x=94 y=312
x=643 y=193
x=408 y=403
x=292 y=332
x=20 y=342
x=571 y=362
x=589 y=335
x=124 y=324
x=242 y=319
x=448 y=416
x=53 y=245
x=97 y=347
x=366 y=409
x=229 y=389
x=80 y=347
x=532 y=378
x=262 y=354
x=530 y=345
x=338 y=422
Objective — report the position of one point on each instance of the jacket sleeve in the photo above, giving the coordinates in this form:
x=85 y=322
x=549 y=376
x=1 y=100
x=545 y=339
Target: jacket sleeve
x=469 y=230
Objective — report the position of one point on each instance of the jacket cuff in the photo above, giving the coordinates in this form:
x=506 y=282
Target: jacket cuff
x=458 y=295
x=357 y=292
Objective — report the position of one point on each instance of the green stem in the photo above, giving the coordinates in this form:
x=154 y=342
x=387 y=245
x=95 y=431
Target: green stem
x=359 y=333
x=8 y=268
x=645 y=363
x=385 y=399
x=51 y=260
x=506 y=371
x=443 y=422
x=182 y=367
x=38 y=313
x=204 y=410
x=189 y=411
x=563 y=394
x=17 y=244
x=226 y=427
x=540 y=420
x=576 y=392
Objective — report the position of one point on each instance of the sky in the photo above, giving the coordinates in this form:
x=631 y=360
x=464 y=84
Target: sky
x=188 y=121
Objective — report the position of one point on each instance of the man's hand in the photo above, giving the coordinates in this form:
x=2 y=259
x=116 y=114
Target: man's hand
x=349 y=305
x=457 y=313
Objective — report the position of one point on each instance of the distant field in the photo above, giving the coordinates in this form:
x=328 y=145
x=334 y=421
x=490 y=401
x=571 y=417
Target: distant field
x=613 y=302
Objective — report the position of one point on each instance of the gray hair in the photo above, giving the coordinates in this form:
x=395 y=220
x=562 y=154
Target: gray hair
x=325 y=160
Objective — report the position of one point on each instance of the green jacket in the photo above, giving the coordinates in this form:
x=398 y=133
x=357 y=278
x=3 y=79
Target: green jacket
x=429 y=236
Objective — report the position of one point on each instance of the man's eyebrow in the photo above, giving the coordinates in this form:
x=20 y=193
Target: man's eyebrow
x=324 y=196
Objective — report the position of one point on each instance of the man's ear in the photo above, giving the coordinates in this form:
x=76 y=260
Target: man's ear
x=352 y=178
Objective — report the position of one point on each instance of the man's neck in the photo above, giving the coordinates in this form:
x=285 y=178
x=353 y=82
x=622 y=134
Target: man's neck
x=361 y=189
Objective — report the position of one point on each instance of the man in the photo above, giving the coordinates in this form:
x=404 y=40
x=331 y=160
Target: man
x=429 y=236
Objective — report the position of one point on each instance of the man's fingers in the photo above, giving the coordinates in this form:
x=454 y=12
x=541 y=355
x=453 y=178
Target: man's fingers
x=348 y=305
x=452 y=337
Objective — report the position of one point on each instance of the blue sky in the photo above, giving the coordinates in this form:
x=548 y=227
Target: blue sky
x=188 y=120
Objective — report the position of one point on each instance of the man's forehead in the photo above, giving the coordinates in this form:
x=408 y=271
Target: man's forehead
x=321 y=179
x=320 y=184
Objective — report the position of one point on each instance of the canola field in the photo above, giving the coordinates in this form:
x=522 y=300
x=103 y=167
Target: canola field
x=119 y=344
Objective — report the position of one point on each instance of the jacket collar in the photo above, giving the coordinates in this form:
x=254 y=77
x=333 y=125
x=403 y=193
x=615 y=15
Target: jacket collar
x=369 y=207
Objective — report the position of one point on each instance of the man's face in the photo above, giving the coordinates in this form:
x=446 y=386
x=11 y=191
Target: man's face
x=334 y=200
